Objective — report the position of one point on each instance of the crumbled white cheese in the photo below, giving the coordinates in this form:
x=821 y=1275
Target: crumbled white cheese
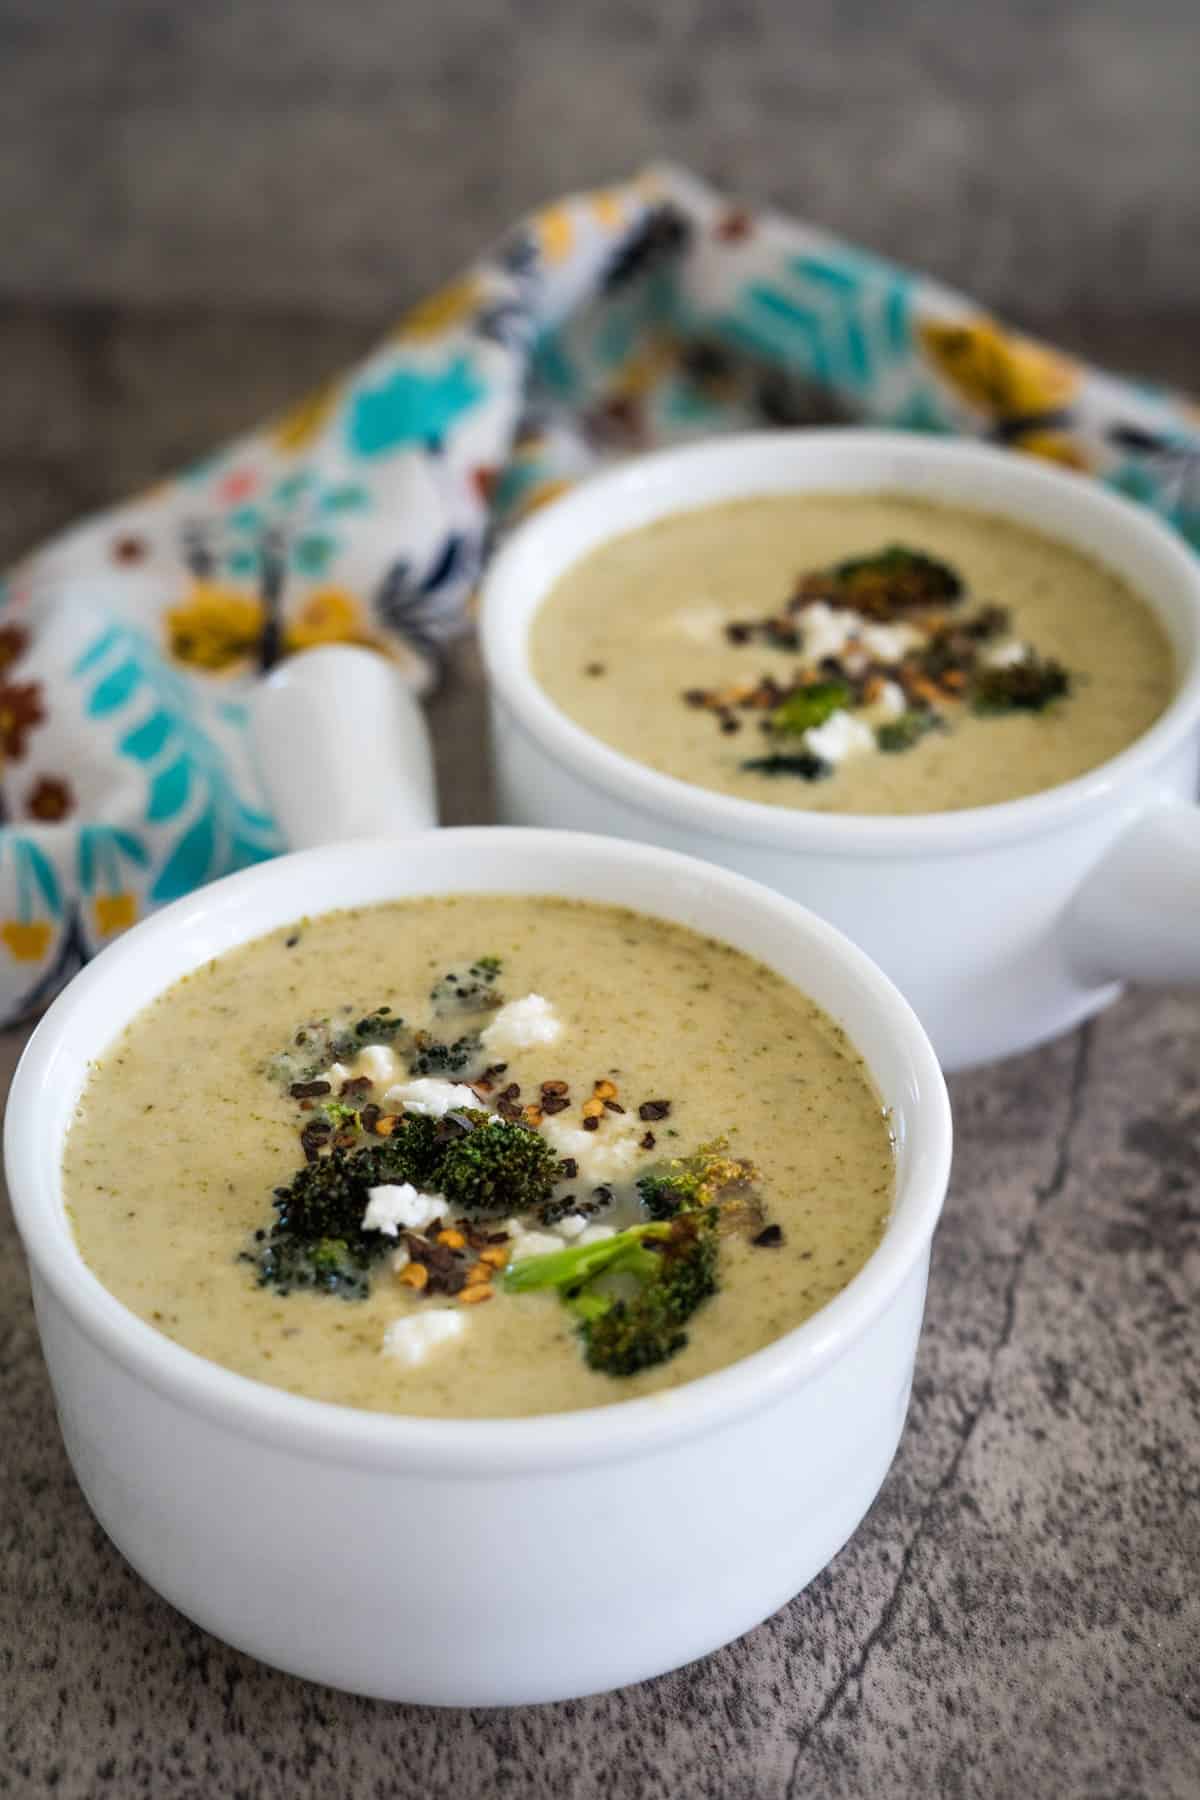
x=595 y=1233
x=400 y=1259
x=694 y=624
x=888 y=643
x=411 y=1339
x=430 y=1096
x=570 y=1227
x=400 y=1204
x=889 y=703
x=602 y=1155
x=532 y=1243
x=521 y=1025
x=841 y=735
x=825 y=630
x=335 y=1074
x=377 y=1063
x=1005 y=655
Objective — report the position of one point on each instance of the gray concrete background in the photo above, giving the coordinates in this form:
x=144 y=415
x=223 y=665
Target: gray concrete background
x=203 y=208
x=342 y=157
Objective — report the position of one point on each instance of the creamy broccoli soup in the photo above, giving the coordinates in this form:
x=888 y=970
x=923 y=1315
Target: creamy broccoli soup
x=479 y=1156
x=852 y=653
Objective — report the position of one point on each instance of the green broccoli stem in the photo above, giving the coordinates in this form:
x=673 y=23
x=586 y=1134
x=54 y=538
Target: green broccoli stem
x=579 y=1263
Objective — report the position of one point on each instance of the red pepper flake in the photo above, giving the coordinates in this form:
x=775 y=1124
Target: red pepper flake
x=303 y=1090
x=512 y=1091
x=654 y=1109
x=555 y=1103
x=357 y=1084
x=555 y=1088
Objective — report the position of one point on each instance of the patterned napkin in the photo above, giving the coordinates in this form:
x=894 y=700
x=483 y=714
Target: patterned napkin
x=608 y=323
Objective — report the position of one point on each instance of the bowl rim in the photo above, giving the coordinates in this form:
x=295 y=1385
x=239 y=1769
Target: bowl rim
x=506 y=588
x=333 y=1432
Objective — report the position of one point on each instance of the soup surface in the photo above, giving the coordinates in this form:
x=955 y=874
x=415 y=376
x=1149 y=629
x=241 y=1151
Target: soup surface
x=852 y=653
x=610 y=1047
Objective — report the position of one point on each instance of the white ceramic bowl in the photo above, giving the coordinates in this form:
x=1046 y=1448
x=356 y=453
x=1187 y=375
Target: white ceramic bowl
x=1004 y=925
x=479 y=1562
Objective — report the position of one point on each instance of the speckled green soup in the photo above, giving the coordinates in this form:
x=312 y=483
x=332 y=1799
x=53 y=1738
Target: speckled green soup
x=640 y=620
x=181 y=1137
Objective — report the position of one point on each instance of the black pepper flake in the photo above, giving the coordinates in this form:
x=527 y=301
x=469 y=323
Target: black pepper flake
x=356 y=1084
x=614 y=1106
x=568 y=1168
x=369 y=1116
x=591 y=1124
x=304 y=1090
x=594 y=668
x=769 y=1238
x=290 y=943
x=648 y=1141
x=315 y=1134
x=512 y=1091
x=654 y=1109
x=555 y=1103
x=730 y=725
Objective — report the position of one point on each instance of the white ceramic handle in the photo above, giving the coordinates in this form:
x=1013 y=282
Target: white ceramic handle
x=1137 y=917
x=342 y=748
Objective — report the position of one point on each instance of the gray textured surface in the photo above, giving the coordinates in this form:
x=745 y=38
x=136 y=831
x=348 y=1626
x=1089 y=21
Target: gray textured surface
x=350 y=155
x=194 y=230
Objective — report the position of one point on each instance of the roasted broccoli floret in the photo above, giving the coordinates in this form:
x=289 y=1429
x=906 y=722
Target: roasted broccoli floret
x=317 y=1239
x=498 y=1166
x=1026 y=686
x=469 y=988
x=631 y=1294
x=804 y=763
x=432 y=1056
x=908 y=729
x=480 y=1164
x=710 y=1177
x=323 y=1041
x=807 y=707
x=895 y=580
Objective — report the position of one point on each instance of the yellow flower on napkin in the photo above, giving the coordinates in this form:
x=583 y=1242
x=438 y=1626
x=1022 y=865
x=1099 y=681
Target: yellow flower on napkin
x=115 y=912
x=214 y=627
x=1004 y=375
x=26 y=942
x=330 y=616
x=296 y=428
x=449 y=306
